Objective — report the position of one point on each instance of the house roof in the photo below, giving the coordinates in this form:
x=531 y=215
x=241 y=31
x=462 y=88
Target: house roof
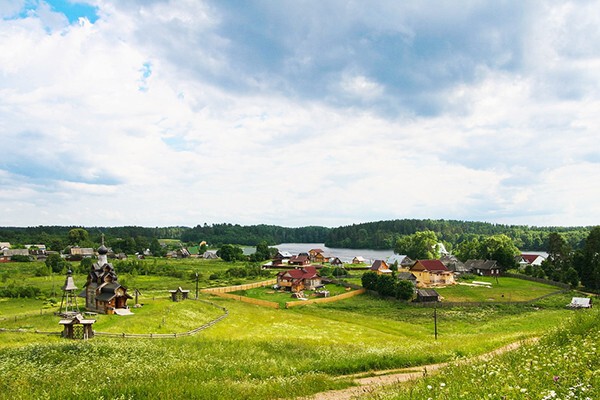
x=530 y=258
x=406 y=276
x=427 y=293
x=429 y=265
x=302 y=273
x=396 y=257
x=359 y=258
x=77 y=319
x=179 y=289
x=315 y=251
x=301 y=258
x=379 y=265
x=481 y=264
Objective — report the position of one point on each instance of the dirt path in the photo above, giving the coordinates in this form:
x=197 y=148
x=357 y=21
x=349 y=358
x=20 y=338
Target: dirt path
x=389 y=377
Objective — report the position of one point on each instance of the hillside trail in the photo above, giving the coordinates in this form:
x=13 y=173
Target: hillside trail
x=388 y=377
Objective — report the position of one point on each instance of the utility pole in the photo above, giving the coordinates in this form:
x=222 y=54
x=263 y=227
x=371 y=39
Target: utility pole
x=196 y=285
x=435 y=321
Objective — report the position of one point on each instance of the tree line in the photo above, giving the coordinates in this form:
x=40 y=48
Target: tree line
x=384 y=234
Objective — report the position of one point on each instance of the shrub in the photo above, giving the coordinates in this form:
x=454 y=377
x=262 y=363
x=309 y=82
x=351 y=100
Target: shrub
x=404 y=290
x=369 y=280
x=20 y=258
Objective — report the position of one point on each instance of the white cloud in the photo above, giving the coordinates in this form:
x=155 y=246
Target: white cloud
x=118 y=123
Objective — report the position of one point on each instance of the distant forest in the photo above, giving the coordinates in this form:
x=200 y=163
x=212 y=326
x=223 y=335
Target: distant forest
x=383 y=234
x=371 y=235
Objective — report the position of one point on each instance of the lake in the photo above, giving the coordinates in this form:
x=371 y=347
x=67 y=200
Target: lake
x=346 y=255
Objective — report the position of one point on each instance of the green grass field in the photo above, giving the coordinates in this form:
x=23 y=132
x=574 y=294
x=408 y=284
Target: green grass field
x=503 y=290
x=254 y=353
x=565 y=364
x=282 y=297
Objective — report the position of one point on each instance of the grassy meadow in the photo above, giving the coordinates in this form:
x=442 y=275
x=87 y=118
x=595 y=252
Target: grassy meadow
x=564 y=364
x=254 y=353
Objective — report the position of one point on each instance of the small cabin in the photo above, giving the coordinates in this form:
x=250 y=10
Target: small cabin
x=427 y=295
x=179 y=294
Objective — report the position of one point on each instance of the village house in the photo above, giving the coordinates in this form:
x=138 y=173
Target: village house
x=358 y=260
x=281 y=257
x=300 y=260
x=407 y=276
x=336 y=262
x=535 y=260
x=402 y=261
x=454 y=264
x=77 y=253
x=312 y=253
x=7 y=254
x=483 y=267
x=320 y=258
x=210 y=255
x=432 y=272
x=380 y=267
x=103 y=293
x=296 y=280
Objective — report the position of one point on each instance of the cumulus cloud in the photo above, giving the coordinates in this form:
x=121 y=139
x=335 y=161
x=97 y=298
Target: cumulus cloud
x=185 y=112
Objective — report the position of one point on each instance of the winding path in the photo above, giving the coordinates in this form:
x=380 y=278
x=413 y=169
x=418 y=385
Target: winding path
x=390 y=377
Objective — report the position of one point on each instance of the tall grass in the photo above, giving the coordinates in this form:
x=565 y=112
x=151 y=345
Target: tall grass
x=565 y=364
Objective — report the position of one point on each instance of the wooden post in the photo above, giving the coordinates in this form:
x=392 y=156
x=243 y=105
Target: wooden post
x=196 y=286
x=435 y=322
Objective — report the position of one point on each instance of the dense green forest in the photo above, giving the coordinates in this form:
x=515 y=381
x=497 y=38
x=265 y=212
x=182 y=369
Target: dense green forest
x=371 y=235
x=254 y=234
x=384 y=234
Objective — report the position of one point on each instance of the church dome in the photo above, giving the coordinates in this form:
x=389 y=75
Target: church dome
x=102 y=250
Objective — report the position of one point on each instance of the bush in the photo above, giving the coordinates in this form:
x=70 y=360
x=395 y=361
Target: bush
x=405 y=290
x=369 y=280
x=42 y=270
x=20 y=258
x=13 y=291
x=56 y=263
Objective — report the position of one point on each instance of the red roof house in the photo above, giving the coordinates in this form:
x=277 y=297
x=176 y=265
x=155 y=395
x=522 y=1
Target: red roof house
x=299 y=279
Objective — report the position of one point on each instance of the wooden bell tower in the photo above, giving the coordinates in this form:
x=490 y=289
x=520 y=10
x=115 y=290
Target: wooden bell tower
x=68 y=304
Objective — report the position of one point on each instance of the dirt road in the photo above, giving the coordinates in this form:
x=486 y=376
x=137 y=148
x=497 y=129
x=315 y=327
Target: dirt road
x=389 y=377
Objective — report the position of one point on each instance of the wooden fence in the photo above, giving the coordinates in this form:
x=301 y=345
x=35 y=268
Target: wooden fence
x=250 y=300
x=239 y=287
x=167 y=335
x=446 y=304
x=331 y=299
x=538 y=280
x=142 y=335
x=224 y=292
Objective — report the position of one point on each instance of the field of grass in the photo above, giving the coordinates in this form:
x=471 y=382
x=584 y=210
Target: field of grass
x=258 y=353
x=170 y=273
x=254 y=353
x=282 y=297
x=504 y=289
x=565 y=364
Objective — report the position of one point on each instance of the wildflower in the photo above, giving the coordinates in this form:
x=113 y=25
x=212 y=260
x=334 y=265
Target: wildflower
x=523 y=390
x=429 y=387
x=442 y=384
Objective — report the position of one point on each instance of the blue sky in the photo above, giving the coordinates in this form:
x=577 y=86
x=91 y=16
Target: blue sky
x=299 y=112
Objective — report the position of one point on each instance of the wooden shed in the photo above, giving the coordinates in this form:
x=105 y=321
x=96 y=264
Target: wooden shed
x=77 y=327
x=427 y=295
x=179 y=294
